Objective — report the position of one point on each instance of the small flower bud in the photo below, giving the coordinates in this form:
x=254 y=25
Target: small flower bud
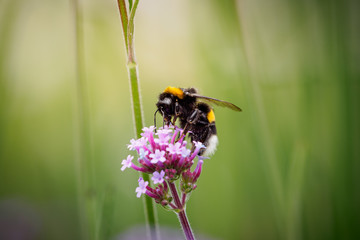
x=171 y=174
x=160 y=194
x=189 y=178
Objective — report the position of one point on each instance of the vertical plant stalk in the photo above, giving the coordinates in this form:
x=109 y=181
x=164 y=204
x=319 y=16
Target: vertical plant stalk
x=80 y=120
x=87 y=200
x=181 y=213
x=128 y=33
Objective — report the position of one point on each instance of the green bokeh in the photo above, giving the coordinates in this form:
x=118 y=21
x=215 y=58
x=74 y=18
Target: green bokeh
x=287 y=167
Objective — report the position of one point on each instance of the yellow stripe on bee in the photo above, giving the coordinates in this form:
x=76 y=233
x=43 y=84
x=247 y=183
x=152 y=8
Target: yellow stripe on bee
x=211 y=116
x=175 y=91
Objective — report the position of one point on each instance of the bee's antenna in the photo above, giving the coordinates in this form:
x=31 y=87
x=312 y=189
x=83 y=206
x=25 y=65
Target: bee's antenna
x=155 y=119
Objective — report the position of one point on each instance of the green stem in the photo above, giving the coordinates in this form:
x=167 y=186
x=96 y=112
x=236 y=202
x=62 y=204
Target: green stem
x=184 y=222
x=128 y=31
x=135 y=97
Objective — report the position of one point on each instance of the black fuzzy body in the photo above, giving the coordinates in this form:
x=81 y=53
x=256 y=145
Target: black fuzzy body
x=200 y=130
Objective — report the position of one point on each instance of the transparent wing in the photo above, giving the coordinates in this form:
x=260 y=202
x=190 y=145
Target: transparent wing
x=217 y=102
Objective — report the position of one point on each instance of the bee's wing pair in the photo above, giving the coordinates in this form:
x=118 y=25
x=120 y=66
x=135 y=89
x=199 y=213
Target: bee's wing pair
x=217 y=102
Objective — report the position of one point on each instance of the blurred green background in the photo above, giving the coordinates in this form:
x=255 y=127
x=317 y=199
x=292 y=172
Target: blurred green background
x=287 y=167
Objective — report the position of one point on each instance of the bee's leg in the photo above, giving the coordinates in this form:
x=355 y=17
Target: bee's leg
x=186 y=129
x=167 y=122
x=192 y=119
x=192 y=148
x=177 y=112
x=174 y=120
x=202 y=122
x=184 y=132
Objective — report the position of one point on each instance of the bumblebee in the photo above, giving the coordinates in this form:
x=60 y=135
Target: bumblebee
x=194 y=113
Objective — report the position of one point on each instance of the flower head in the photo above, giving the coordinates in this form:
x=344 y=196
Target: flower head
x=167 y=157
x=167 y=151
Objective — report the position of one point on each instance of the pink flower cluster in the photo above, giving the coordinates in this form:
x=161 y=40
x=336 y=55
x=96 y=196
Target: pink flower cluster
x=165 y=155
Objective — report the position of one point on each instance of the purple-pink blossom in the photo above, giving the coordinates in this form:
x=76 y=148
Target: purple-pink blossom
x=174 y=148
x=158 y=177
x=143 y=153
x=126 y=163
x=185 y=152
x=141 y=189
x=158 y=156
x=164 y=131
x=147 y=131
x=136 y=144
x=163 y=139
x=199 y=144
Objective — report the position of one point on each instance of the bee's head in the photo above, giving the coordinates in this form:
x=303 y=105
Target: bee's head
x=166 y=106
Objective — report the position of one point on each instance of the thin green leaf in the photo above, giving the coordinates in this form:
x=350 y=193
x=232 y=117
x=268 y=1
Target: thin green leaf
x=124 y=20
x=130 y=33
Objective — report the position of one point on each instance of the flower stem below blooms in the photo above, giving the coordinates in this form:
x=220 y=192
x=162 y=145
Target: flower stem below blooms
x=181 y=213
x=185 y=225
x=128 y=33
